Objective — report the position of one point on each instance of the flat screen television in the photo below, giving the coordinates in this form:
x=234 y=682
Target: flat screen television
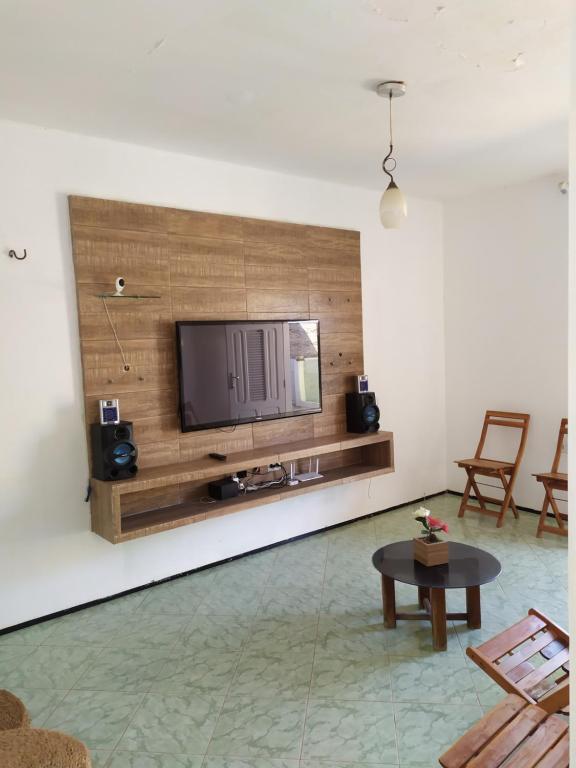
x=237 y=372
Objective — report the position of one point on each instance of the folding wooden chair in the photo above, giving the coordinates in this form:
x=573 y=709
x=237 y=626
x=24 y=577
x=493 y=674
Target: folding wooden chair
x=529 y=659
x=516 y=734
x=554 y=481
x=504 y=471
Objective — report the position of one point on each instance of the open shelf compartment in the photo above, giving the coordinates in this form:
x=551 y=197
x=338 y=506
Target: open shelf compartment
x=168 y=497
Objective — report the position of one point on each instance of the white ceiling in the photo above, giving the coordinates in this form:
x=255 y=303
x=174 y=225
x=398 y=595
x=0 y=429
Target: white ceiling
x=287 y=85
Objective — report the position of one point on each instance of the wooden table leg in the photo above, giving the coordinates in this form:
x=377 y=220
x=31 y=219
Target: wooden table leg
x=438 y=611
x=474 y=620
x=423 y=594
x=389 y=602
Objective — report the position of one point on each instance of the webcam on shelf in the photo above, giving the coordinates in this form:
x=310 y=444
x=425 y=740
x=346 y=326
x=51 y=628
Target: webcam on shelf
x=119 y=285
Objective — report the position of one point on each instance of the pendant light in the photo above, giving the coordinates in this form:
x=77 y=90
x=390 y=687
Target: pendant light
x=392 y=203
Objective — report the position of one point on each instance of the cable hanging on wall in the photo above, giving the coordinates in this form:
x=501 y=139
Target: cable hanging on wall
x=120 y=284
x=126 y=364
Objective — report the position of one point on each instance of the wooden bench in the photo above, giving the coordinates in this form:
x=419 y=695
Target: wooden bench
x=517 y=734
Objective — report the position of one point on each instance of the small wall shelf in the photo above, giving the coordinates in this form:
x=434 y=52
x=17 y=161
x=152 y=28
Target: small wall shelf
x=347 y=457
x=128 y=296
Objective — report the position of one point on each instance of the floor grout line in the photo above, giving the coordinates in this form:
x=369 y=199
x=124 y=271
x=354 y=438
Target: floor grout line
x=515 y=541
x=303 y=738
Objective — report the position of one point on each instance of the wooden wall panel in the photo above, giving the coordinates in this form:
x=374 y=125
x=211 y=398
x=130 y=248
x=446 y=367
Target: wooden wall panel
x=111 y=214
x=266 y=300
x=199 y=262
x=140 y=257
x=206 y=266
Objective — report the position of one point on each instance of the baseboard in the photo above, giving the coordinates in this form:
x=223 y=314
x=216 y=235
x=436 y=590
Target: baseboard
x=101 y=600
x=518 y=506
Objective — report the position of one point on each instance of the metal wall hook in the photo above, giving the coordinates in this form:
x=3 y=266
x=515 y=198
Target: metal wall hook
x=14 y=255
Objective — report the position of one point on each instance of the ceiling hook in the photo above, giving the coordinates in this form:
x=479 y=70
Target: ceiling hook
x=14 y=255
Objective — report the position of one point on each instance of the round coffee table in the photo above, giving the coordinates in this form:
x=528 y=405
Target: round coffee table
x=467 y=568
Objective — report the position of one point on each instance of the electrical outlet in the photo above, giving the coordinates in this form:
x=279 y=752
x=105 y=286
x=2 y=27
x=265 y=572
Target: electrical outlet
x=273 y=467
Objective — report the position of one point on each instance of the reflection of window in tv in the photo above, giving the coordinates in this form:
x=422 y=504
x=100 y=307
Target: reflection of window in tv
x=244 y=371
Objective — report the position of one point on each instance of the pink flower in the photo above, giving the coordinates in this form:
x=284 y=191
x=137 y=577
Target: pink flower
x=440 y=525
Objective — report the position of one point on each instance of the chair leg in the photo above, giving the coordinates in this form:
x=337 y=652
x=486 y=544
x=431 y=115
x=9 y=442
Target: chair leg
x=543 y=514
x=507 y=498
x=479 y=496
x=557 y=515
x=550 y=501
x=513 y=508
x=466 y=494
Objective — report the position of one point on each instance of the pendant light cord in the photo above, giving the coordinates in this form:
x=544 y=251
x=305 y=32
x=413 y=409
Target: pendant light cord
x=389 y=157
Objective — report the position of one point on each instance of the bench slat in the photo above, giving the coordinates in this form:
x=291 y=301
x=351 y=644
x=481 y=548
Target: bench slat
x=480 y=734
x=539 y=744
x=559 y=756
x=509 y=738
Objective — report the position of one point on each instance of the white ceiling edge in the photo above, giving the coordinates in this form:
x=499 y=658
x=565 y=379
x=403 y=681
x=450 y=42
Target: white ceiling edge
x=557 y=175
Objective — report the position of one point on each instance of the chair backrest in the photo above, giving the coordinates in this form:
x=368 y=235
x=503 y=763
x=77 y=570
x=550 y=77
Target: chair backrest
x=561 y=437
x=505 y=419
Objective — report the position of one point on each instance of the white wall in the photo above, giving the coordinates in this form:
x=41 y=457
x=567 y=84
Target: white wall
x=49 y=559
x=506 y=295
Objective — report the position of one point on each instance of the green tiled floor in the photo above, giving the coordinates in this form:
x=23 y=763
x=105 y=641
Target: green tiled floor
x=280 y=660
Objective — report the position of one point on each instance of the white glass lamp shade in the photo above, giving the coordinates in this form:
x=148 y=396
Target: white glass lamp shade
x=393 y=209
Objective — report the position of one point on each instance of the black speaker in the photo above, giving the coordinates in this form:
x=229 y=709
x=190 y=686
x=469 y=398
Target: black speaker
x=362 y=413
x=114 y=452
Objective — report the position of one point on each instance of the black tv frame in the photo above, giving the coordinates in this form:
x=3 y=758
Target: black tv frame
x=255 y=420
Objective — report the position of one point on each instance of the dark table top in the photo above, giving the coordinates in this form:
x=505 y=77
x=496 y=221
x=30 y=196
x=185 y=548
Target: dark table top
x=467 y=566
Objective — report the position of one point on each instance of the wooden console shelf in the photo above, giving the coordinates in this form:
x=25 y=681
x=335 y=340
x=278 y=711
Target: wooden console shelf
x=162 y=498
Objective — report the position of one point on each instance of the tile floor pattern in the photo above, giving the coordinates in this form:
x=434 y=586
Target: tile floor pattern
x=280 y=660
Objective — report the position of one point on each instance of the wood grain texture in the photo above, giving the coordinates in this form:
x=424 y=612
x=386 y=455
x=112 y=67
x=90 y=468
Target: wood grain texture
x=206 y=267
x=201 y=224
x=346 y=241
x=338 y=322
x=152 y=366
x=156 y=454
x=275 y=232
x=273 y=255
x=139 y=405
x=336 y=302
x=200 y=262
x=333 y=279
x=287 y=430
x=265 y=300
x=215 y=301
x=100 y=255
x=277 y=276
x=332 y=420
x=132 y=319
x=197 y=445
x=112 y=214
